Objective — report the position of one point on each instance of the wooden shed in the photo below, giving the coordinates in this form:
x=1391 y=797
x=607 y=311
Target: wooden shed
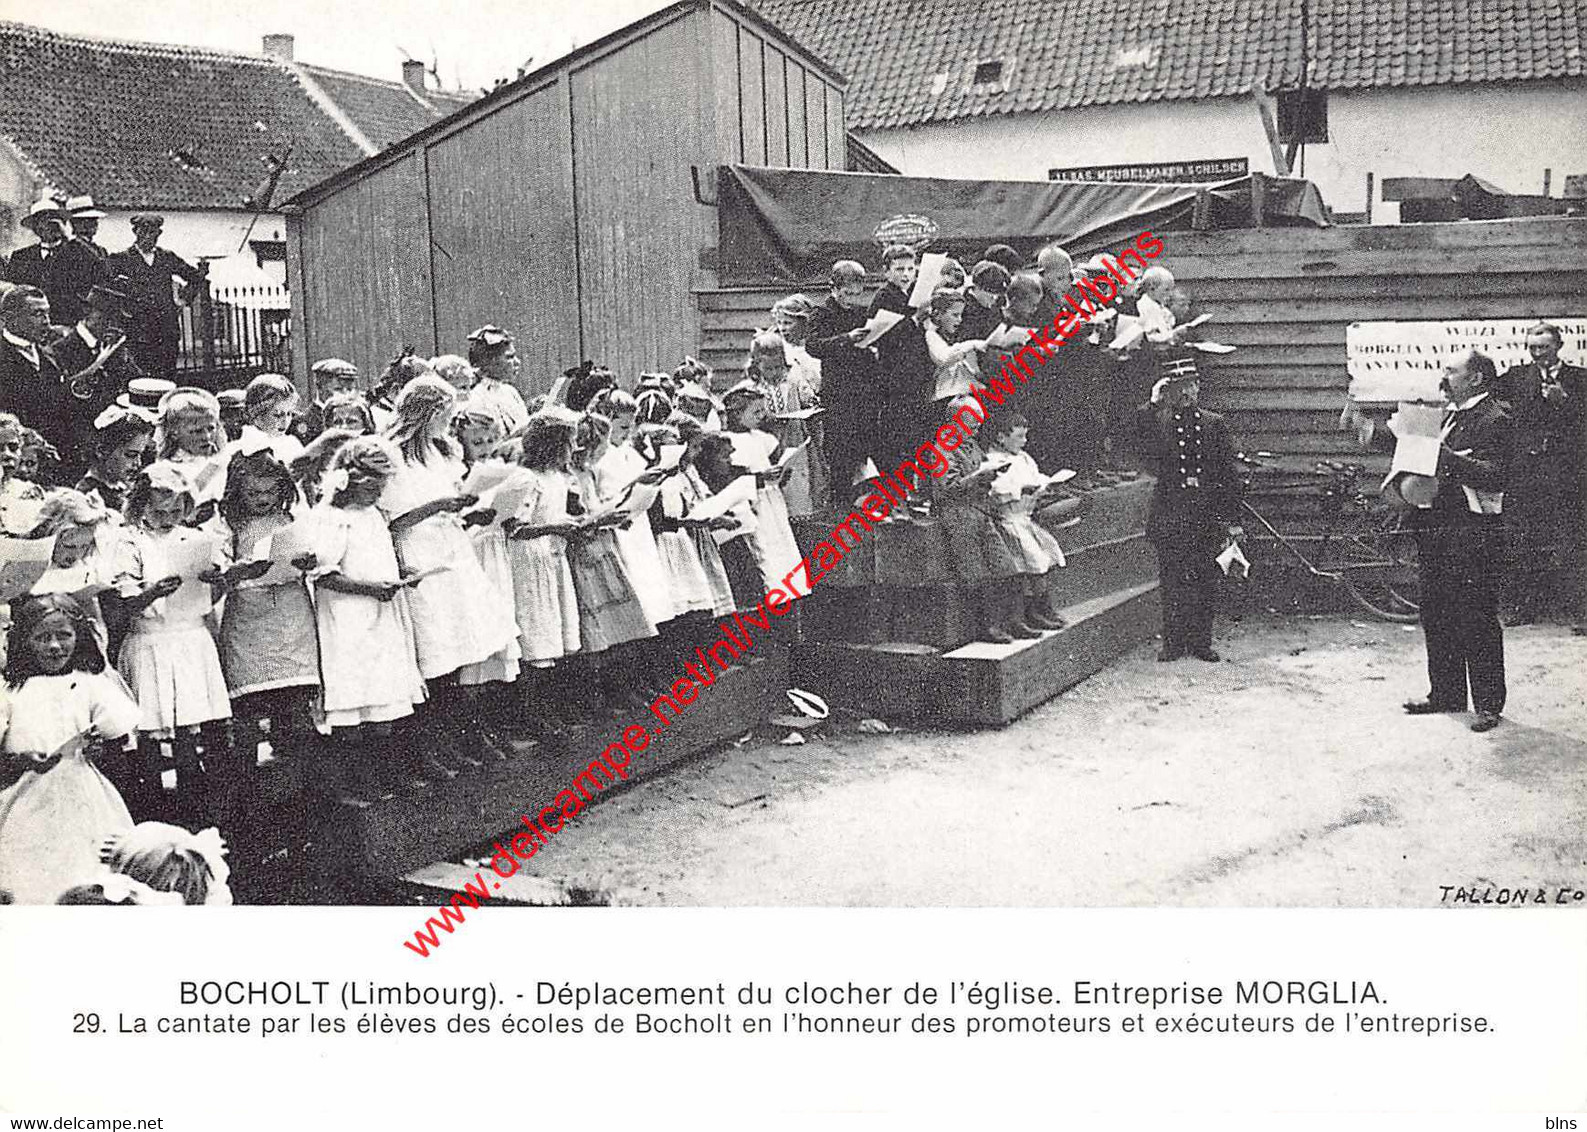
x=565 y=206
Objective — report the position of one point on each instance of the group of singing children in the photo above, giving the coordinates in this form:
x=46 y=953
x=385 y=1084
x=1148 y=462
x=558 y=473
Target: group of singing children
x=261 y=589
x=917 y=377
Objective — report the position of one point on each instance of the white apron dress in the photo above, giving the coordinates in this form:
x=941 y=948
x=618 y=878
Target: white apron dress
x=367 y=654
x=459 y=618
x=169 y=659
x=637 y=542
x=51 y=824
x=544 y=600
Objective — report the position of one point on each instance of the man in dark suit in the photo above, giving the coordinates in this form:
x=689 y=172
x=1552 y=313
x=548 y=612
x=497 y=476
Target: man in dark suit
x=63 y=268
x=1194 y=508
x=97 y=366
x=85 y=224
x=1460 y=547
x=1545 y=502
x=156 y=330
x=31 y=382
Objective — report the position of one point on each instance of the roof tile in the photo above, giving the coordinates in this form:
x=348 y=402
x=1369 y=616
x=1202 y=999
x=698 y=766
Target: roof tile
x=1065 y=49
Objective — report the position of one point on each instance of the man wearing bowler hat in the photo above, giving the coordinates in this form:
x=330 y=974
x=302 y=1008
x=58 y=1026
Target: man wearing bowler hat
x=1460 y=543
x=1194 y=506
x=85 y=217
x=156 y=330
x=63 y=268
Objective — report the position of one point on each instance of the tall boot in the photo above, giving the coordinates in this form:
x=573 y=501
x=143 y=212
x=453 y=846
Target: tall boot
x=1040 y=609
x=191 y=806
x=989 y=605
x=1014 y=611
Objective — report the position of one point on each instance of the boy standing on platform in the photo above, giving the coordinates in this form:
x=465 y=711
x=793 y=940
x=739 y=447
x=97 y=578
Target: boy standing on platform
x=852 y=416
x=905 y=375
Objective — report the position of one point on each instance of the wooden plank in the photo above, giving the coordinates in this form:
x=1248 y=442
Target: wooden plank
x=1236 y=376
x=1289 y=262
x=1540 y=233
x=297 y=289
x=1346 y=310
x=640 y=231
x=724 y=56
x=798 y=132
x=505 y=247
x=1213 y=290
x=1248 y=400
x=752 y=97
x=837 y=140
x=816 y=122
x=776 y=107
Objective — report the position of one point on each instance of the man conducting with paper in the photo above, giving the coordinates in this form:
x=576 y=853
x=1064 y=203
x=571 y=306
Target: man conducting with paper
x=1448 y=473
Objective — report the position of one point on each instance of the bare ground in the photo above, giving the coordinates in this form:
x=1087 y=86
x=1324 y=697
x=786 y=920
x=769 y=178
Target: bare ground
x=1285 y=776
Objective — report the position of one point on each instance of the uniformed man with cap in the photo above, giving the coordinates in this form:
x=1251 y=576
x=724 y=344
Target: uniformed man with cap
x=327 y=378
x=156 y=330
x=85 y=224
x=1194 y=507
x=63 y=268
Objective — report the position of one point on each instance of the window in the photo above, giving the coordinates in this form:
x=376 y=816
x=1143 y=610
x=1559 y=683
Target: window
x=988 y=71
x=1291 y=117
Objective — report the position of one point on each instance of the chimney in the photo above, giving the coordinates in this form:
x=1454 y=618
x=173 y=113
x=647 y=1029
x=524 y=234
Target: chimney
x=278 y=47
x=413 y=75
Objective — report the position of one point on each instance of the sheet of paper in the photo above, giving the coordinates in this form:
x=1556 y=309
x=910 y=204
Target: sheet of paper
x=187 y=557
x=671 y=456
x=790 y=455
x=486 y=475
x=741 y=490
x=1198 y=320
x=1211 y=347
x=280 y=549
x=1416 y=454
x=506 y=499
x=927 y=279
x=1006 y=336
x=1130 y=332
x=880 y=323
x=1417 y=420
x=799 y=414
x=22 y=563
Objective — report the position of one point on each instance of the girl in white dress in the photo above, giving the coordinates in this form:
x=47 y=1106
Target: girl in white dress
x=189 y=435
x=1017 y=492
x=168 y=658
x=544 y=599
x=789 y=398
x=696 y=577
x=20 y=500
x=83 y=561
x=611 y=616
x=480 y=430
x=368 y=659
x=62 y=706
x=459 y=617
x=753 y=448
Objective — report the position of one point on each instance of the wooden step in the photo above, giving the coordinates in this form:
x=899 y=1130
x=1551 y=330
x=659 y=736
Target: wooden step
x=980 y=684
x=391 y=834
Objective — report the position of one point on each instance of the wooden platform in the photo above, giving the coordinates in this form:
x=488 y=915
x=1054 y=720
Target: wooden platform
x=388 y=831
x=981 y=684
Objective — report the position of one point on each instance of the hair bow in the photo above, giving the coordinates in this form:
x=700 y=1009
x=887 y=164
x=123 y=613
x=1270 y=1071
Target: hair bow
x=334 y=482
x=122 y=889
x=209 y=845
x=115 y=414
x=489 y=335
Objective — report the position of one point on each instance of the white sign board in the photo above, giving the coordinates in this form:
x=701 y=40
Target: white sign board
x=1403 y=361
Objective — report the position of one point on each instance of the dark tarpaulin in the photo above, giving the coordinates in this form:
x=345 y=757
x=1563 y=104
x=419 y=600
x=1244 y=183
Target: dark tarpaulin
x=789 y=225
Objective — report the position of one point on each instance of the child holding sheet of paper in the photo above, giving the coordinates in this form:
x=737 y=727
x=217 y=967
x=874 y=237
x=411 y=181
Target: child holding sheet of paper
x=268 y=646
x=169 y=659
x=56 y=807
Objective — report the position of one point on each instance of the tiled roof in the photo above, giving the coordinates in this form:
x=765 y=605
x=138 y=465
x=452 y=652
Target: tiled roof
x=386 y=112
x=915 y=61
x=153 y=126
